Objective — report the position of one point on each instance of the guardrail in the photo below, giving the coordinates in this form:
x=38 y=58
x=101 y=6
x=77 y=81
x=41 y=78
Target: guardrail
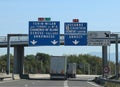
x=20 y=38
x=14 y=38
x=24 y=40
x=112 y=83
x=3 y=39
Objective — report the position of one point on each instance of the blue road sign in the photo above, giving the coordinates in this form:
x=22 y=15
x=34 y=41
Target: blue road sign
x=75 y=33
x=44 y=33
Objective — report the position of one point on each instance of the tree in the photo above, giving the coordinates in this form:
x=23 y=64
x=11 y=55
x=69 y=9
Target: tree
x=3 y=63
x=86 y=63
x=38 y=63
x=44 y=62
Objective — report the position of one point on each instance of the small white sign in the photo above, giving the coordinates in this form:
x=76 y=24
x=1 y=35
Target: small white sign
x=99 y=34
x=98 y=42
x=99 y=38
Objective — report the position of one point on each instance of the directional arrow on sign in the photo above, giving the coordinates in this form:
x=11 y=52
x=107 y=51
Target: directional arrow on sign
x=33 y=42
x=75 y=42
x=106 y=34
x=54 y=42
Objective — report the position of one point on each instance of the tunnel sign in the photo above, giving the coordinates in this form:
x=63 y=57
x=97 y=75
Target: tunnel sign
x=75 y=33
x=44 y=33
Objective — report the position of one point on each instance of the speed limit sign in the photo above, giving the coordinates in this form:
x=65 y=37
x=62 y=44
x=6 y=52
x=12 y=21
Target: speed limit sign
x=106 y=69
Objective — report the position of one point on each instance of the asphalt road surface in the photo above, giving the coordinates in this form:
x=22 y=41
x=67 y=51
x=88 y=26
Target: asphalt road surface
x=83 y=81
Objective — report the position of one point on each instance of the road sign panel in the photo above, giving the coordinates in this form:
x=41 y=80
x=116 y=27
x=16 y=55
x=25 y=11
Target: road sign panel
x=44 y=33
x=75 y=33
x=99 y=34
x=98 y=38
x=98 y=42
x=106 y=69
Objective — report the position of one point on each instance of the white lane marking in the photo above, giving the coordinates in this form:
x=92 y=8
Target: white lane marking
x=66 y=83
x=33 y=83
x=9 y=81
x=26 y=85
x=94 y=84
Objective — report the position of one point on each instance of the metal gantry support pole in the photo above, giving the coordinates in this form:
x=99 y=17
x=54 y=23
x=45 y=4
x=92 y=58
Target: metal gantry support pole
x=116 y=47
x=8 y=54
x=104 y=59
x=116 y=54
x=8 y=50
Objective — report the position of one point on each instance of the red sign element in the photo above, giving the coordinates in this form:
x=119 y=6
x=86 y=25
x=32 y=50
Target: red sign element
x=75 y=20
x=106 y=69
x=40 y=19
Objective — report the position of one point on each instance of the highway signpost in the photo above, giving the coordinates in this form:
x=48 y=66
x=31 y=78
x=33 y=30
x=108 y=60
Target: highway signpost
x=44 y=33
x=75 y=34
x=98 y=38
x=106 y=69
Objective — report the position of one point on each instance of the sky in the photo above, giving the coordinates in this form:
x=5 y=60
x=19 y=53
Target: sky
x=100 y=15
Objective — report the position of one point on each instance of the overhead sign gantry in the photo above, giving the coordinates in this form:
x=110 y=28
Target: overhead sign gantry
x=75 y=33
x=44 y=33
x=99 y=38
x=47 y=33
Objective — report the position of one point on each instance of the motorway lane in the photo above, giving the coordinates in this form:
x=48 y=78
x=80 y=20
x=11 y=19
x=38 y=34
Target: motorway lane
x=82 y=84
x=47 y=83
x=32 y=83
x=81 y=81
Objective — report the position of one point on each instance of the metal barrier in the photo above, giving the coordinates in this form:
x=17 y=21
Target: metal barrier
x=112 y=83
x=19 y=40
x=14 y=38
x=26 y=38
x=3 y=39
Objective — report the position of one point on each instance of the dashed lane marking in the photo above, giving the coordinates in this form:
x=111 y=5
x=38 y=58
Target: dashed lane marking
x=9 y=81
x=66 y=83
x=91 y=83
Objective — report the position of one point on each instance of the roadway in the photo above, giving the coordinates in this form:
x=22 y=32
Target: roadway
x=80 y=81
